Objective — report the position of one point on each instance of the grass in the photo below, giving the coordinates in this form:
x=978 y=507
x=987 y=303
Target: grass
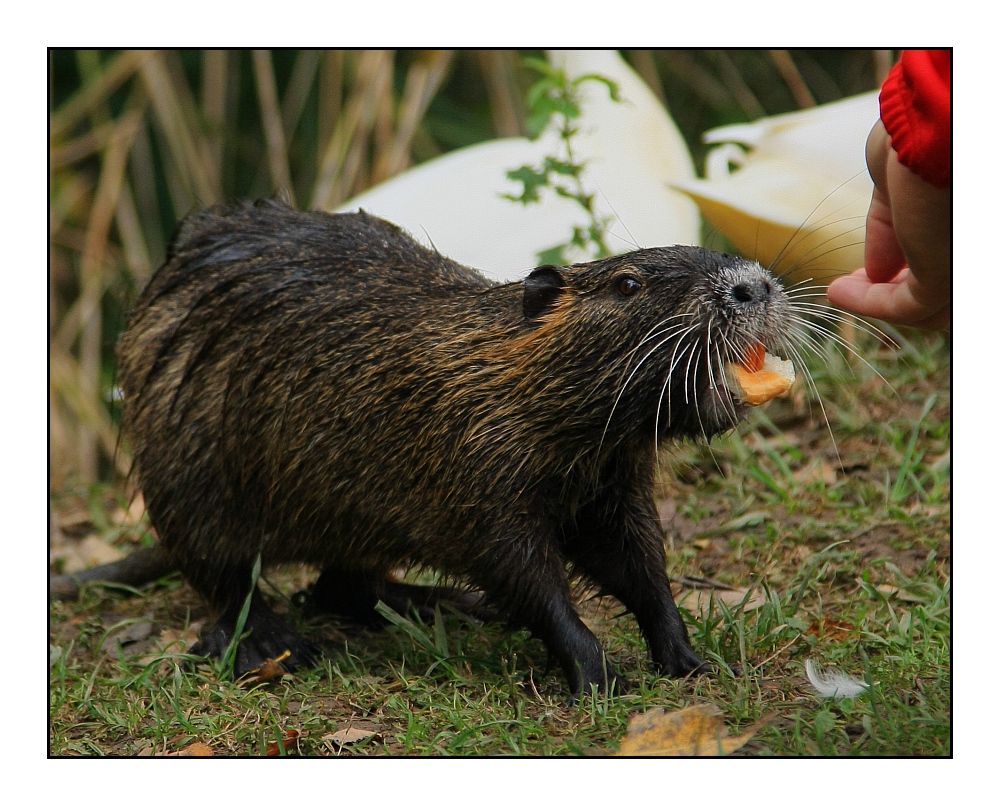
x=844 y=547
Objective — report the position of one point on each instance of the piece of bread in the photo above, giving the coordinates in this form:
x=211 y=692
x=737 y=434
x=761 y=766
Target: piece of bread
x=762 y=377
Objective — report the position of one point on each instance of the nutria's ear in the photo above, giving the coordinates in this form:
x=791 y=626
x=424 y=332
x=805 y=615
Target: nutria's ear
x=541 y=288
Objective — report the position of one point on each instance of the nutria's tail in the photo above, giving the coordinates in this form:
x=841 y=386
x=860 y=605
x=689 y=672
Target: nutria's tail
x=138 y=568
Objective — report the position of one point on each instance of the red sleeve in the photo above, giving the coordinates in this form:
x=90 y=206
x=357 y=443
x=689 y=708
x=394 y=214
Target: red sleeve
x=915 y=105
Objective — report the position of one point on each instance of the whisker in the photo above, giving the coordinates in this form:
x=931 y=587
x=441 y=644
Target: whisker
x=801 y=362
x=674 y=362
x=667 y=387
x=728 y=404
x=814 y=292
x=798 y=287
x=830 y=314
x=803 y=226
x=654 y=332
x=820 y=250
x=693 y=385
x=848 y=347
x=671 y=334
x=821 y=314
x=631 y=241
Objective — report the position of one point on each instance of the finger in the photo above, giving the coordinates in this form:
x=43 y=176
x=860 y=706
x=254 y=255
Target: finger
x=883 y=254
x=892 y=302
x=884 y=257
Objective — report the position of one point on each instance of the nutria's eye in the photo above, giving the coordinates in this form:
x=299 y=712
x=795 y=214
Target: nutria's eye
x=628 y=285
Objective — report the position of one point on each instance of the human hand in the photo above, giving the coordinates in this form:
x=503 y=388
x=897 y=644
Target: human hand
x=909 y=224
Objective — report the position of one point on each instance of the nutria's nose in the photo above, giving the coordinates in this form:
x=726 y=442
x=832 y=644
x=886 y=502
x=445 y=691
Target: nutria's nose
x=753 y=290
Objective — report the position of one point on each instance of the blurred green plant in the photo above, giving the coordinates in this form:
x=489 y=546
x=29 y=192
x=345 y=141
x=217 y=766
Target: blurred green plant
x=555 y=96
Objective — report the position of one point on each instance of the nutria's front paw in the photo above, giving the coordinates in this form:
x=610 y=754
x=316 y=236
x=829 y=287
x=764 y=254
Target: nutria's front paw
x=267 y=639
x=686 y=663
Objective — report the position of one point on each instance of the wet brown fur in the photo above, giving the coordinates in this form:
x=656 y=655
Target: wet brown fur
x=320 y=388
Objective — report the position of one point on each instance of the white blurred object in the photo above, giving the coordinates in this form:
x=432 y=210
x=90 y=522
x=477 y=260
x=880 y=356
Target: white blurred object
x=834 y=684
x=797 y=199
x=633 y=152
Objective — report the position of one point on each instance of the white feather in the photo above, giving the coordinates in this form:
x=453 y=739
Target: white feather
x=834 y=684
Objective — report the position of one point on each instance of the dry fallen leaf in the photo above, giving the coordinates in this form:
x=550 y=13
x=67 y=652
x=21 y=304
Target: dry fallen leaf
x=694 y=731
x=127 y=636
x=835 y=628
x=288 y=741
x=890 y=591
x=193 y=749
x=73 y=520
x=270 y=671
x=172 y=641
x=816 y=470
x=666 y=509
x=349 y=736
x=196 y=749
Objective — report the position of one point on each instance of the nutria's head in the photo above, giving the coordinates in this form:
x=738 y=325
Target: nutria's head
x=653 y=332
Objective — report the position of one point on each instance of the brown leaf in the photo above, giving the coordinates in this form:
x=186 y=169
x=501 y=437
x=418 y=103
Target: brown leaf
x=349 y=736
x=835 y=628
x=193 y=749
x=177 y=640
x=694 y=731
x=891 y=591
x=74 y=520
x=288 y=741
x=816 y=470
x=270 y=671
x=133 y=633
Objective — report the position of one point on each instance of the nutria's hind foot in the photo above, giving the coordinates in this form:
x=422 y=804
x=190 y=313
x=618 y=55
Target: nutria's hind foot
x=267 y=636
x=355 y=593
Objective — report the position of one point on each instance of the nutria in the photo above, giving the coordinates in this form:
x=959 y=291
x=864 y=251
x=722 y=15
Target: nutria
x=320 y=388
